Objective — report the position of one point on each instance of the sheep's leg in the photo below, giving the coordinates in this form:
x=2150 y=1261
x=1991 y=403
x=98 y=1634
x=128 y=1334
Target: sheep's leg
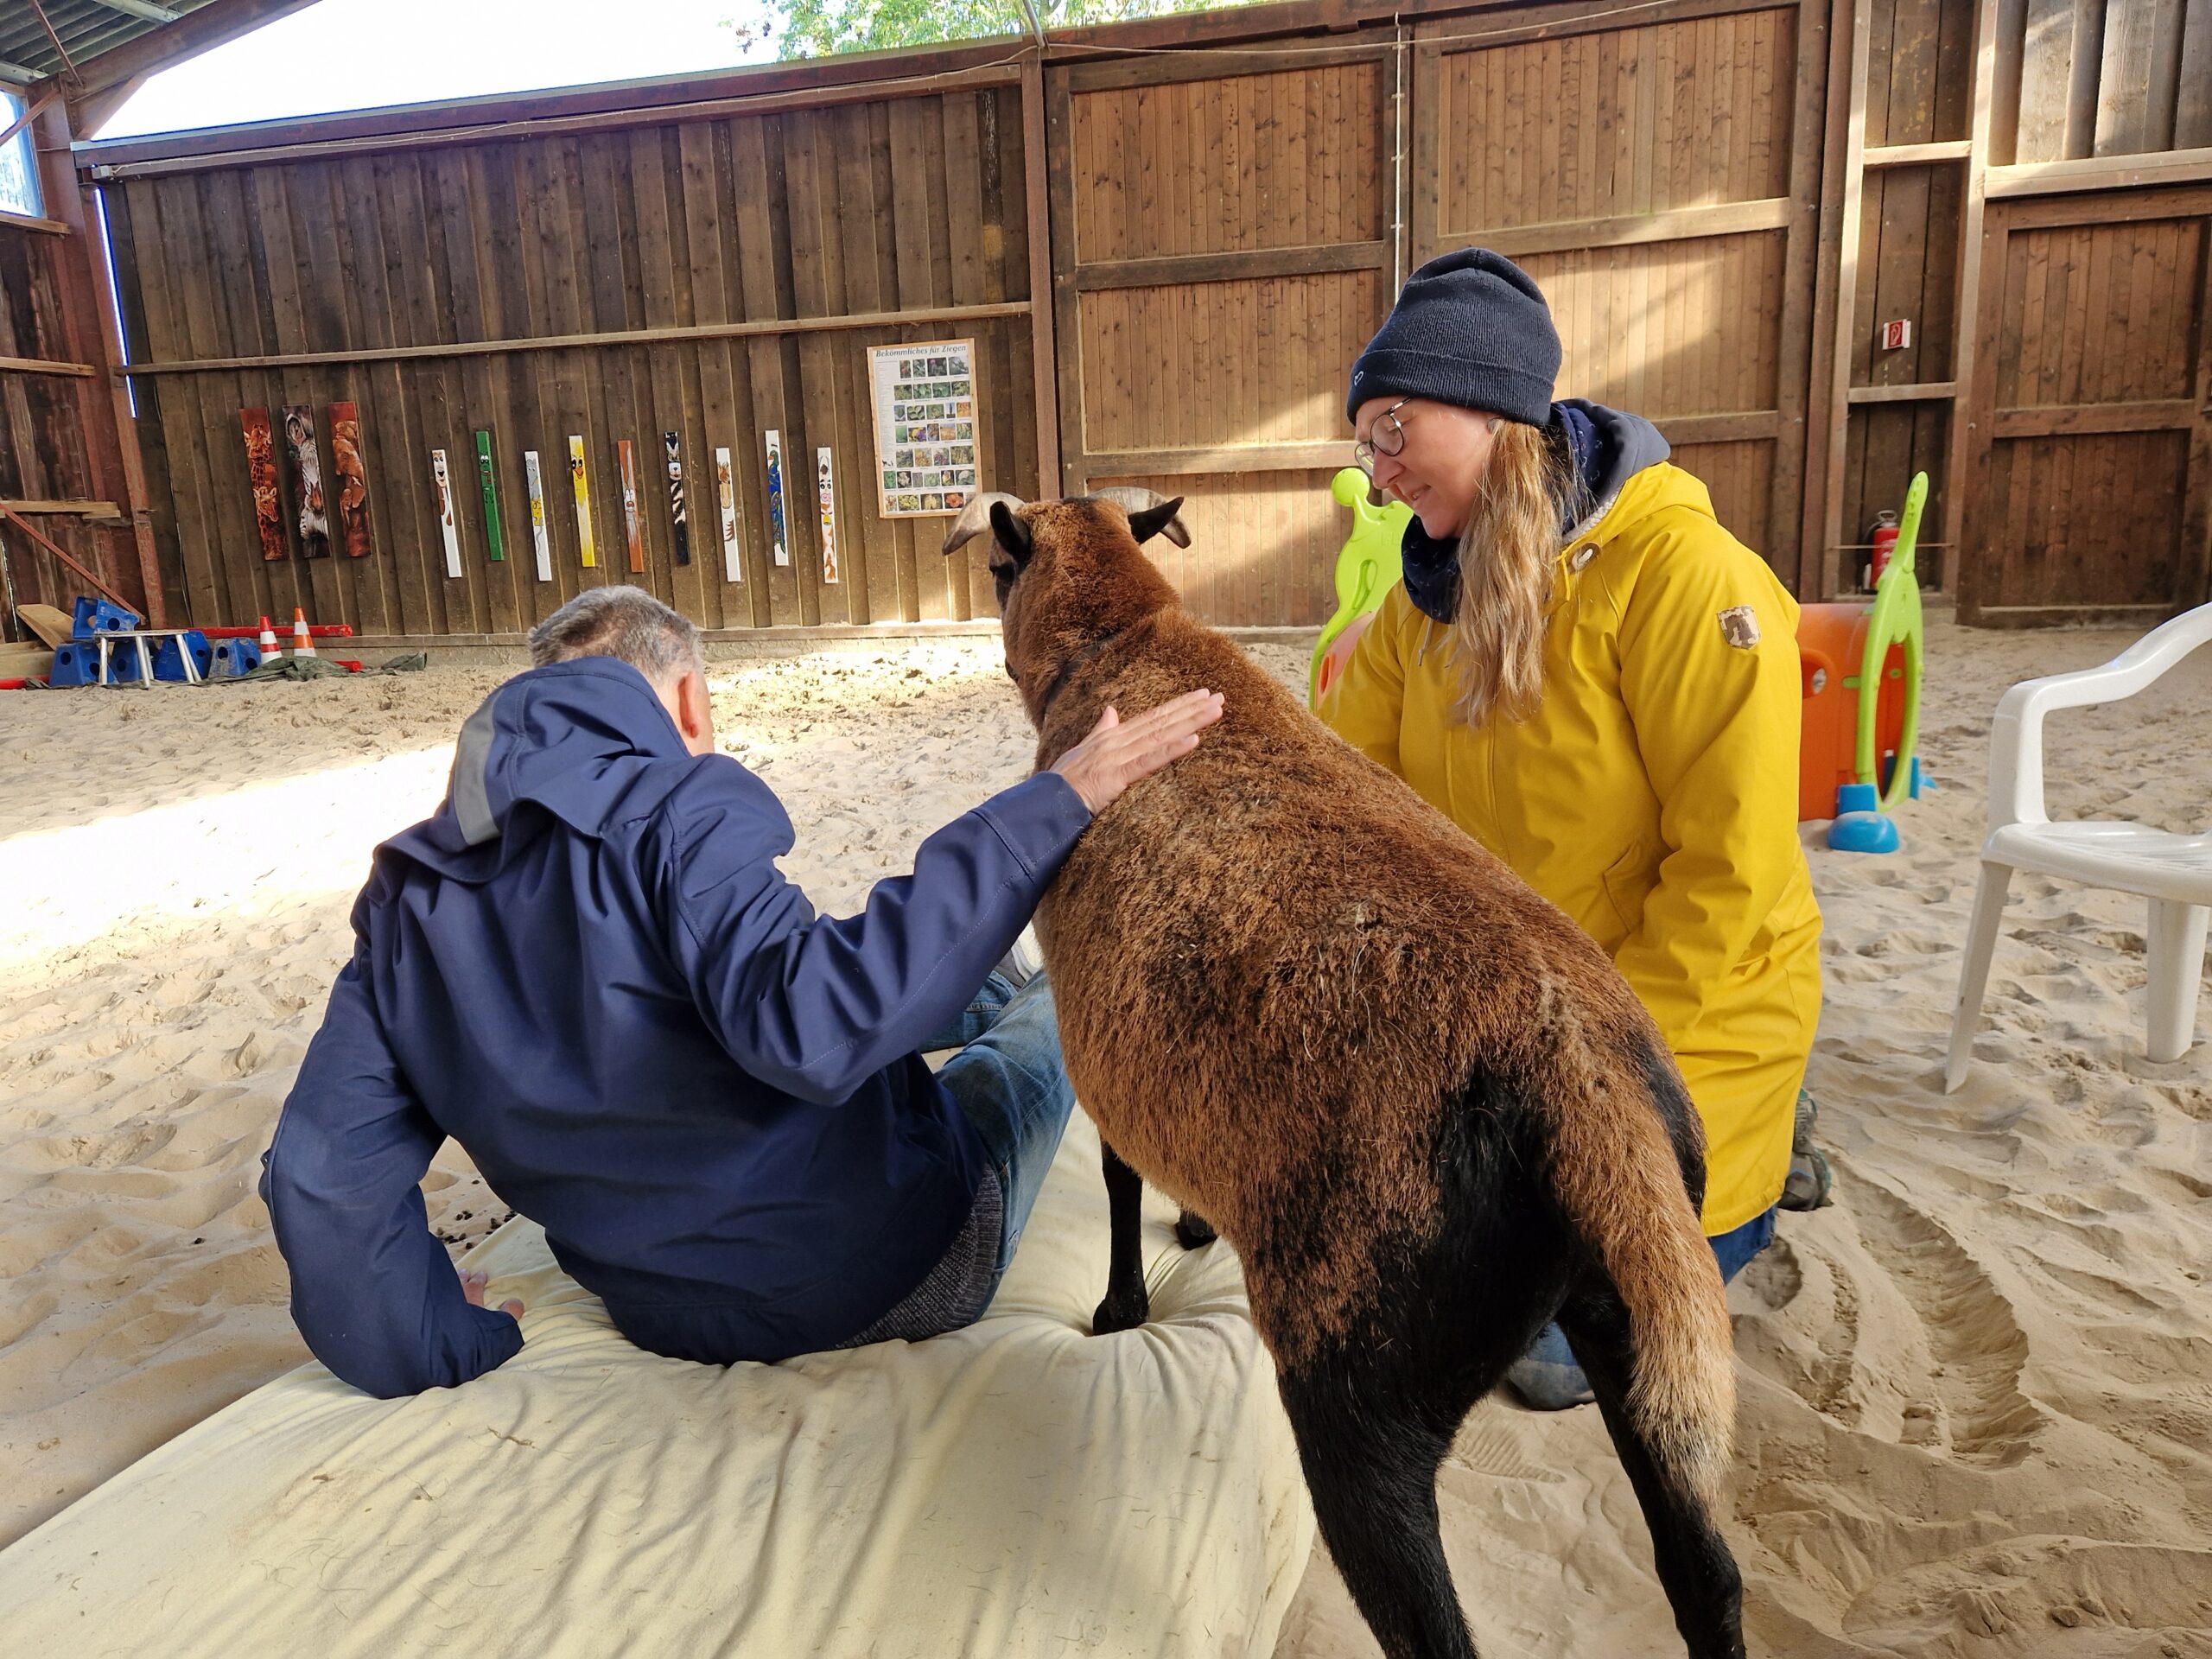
x=1696 y=1566
x=1127 y=1305
x=1371 y=1469
x=1193 y=1229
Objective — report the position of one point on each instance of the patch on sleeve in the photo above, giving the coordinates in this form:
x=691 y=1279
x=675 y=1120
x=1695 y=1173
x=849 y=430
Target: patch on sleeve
x=1739 y=626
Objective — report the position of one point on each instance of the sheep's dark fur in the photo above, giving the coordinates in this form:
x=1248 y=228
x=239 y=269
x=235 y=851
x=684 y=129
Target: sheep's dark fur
x=1421 y=1103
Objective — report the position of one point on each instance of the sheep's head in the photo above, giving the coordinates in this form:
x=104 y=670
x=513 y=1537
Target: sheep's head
x=1069 y=574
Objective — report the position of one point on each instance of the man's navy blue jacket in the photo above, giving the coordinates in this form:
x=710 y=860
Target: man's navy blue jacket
x=588 y=969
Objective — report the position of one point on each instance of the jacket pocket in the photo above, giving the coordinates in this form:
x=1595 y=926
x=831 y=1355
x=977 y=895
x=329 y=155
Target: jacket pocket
x=1625 y=882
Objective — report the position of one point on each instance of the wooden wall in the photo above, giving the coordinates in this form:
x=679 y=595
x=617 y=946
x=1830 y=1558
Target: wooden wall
x=1224 y=255
x=646 y=249
x=1722 y=199
x=68 y=462
x=42 y=456
x=1656 y=179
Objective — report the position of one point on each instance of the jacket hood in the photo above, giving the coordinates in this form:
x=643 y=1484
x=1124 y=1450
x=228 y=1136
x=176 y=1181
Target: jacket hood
x=586 y=742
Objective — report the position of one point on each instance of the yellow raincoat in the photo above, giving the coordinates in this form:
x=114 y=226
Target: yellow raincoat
x=1653 y=797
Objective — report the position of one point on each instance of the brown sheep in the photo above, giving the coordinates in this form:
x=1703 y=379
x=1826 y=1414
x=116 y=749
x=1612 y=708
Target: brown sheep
x=1420 y=1102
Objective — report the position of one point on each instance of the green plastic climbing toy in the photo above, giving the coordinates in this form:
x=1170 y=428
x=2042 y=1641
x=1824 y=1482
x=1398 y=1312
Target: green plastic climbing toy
x=1894 y=620
x=1366 y=568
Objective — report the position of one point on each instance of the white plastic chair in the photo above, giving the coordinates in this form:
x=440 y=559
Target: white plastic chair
x=2173 y=872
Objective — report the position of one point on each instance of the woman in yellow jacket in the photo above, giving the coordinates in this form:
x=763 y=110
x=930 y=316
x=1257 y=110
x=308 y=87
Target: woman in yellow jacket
x=1600 y=685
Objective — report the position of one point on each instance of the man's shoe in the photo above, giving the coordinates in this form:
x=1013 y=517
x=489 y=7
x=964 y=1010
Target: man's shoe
x=1546 y=1378
x=1809 y=1185
x=1024 y=962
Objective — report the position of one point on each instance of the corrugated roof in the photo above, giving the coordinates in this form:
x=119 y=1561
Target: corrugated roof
x=85 y=28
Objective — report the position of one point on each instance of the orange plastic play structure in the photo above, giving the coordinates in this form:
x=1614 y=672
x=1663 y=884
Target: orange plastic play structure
x=1831 y=647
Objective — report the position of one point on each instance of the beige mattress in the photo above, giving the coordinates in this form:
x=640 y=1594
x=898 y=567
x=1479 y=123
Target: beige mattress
x=1017 y=1488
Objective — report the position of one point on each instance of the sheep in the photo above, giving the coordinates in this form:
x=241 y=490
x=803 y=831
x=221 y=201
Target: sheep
x=1422 y=1105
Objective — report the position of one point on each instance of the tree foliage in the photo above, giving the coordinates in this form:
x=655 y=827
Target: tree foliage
x=813 y=28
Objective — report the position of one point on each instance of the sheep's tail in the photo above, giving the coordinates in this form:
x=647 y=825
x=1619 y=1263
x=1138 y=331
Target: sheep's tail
x=1628 y=1151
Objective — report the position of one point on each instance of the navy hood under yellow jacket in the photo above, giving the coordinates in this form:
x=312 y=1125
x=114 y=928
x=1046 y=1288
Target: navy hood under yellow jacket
x=587 y=968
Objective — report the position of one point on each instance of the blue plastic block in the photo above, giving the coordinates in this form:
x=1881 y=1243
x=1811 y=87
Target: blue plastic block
x=168 y=658
x=93 y=617
x=74 y=664
x=1859 y=828
x=232 y=659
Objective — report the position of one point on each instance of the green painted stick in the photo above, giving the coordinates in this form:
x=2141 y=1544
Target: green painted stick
x=492 y=532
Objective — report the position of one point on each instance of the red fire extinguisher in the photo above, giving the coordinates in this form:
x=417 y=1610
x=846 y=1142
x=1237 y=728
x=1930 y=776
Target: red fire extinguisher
x=1886 y=542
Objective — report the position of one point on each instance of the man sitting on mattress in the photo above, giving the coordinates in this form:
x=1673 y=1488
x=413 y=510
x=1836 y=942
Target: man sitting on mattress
x=587 y=968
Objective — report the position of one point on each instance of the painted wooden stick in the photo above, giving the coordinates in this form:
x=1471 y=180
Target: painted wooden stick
x=628 y=465
x=444 y=476
x=306 y=481
x=535 y=482
x=777 y=539
x=673 y=444
x=261 y=473
x=726 y=488
x=495 y=534
x=352 y=480
x=825 y=489
x=581 y=485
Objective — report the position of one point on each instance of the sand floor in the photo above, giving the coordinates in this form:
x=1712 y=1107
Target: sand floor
x=1977 y=1392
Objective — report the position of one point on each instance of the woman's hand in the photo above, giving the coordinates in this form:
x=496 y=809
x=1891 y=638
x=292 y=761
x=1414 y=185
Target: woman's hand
x=1118 y=752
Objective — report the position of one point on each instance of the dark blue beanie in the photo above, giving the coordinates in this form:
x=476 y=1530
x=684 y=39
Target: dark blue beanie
x=1469 y=330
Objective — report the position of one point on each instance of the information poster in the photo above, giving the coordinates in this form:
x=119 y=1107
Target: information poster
x=825 y=486
x=925 y=405
x=442 y=475
x=535 y=479
x=726 y=490
x=778 y=543
x=581 y=483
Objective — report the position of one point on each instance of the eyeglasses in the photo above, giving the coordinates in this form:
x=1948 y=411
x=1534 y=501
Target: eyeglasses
x=1387 y=436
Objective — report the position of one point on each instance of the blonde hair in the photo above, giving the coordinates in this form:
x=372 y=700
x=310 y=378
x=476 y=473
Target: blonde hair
x=1507 y=566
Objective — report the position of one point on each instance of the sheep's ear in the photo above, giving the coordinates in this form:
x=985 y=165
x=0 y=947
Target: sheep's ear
x=1148 y=522
x=1012 y=533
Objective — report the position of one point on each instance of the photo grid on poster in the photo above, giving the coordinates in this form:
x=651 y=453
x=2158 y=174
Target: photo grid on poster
x=925 y=447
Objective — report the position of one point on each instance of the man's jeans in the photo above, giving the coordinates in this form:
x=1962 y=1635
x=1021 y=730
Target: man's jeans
x=1009 y=1079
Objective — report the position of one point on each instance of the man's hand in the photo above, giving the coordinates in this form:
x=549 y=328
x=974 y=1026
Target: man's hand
x=1118 y=752
x=472 y=1286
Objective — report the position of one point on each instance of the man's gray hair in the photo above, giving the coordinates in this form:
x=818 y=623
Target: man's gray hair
x=626 y=623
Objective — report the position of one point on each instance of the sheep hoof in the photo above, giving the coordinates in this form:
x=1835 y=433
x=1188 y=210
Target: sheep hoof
x=1192 y=1230
x=1120 y=1314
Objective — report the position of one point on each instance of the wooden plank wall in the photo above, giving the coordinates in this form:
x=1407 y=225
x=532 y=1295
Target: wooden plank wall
x=1224 y=255
x=2096 y=458
x=47 y=420
x=2106 y=77
x=1658 y=180
x=1919 y=91
x=868 y=207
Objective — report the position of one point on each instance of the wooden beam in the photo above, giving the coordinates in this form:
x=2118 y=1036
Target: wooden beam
x=89 y=510
x=2085 y=75
x=1748 y=426
x=2086 y=420
x=31 y=109
x=10 y=516
x=612 y=120
x=42 y=365
x=27 y=222
x=1588 y=17
x=1945 y=149
x=1329 y=453
x=1918 y=392
x=612 y=337
x=1785 y=549
x=1043 y=345
x=1179 y=269
x=1959 y=462
x=92 y=333
x=1826 y=368
x=1844 y=313
x=1677 y=224
x=859 y=75
x=2101 y=172
x=1163 y=69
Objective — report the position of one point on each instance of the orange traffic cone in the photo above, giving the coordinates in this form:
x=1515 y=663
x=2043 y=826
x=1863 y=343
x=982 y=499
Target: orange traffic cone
x=302 y=642
x=268 y=640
